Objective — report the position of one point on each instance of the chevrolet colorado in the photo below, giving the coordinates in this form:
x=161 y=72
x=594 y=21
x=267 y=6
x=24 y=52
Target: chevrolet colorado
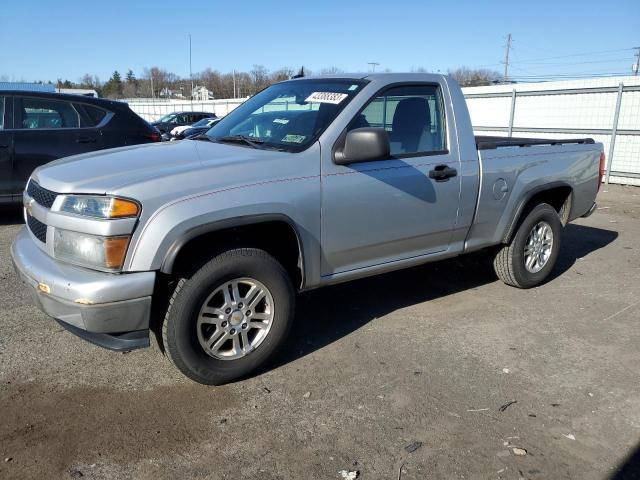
x=311 y=182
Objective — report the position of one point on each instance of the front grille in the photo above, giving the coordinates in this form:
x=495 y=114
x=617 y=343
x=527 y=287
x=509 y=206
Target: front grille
x=38 y=228
x=41 y=195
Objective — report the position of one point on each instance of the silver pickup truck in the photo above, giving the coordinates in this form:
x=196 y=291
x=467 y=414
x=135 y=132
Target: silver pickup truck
x=311 y=182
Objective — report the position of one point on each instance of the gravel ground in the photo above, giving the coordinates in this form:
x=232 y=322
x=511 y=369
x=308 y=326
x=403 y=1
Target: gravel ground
x=439 y=371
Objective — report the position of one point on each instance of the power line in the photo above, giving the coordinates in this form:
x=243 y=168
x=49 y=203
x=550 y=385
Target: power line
x=567 y=76
x=570 y=63
x=601 y=52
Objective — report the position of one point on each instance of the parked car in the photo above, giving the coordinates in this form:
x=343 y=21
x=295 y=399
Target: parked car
x=200 y=123
x=311 y=182
x=38 y=127
x=196 y=129
x=170 y=121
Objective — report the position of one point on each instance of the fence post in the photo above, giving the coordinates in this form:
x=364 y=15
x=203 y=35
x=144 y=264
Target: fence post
x=614 y=129
x=513 y=111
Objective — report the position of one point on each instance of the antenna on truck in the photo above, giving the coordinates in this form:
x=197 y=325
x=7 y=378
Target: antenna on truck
x=300 y=74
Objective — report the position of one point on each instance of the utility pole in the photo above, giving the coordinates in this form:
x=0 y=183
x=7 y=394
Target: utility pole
x=506 y=59
x=190 y=71
x=373 y=65
x=636 y=67
x=234 y=83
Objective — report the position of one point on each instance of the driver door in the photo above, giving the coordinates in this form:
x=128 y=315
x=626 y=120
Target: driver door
x=382 y=211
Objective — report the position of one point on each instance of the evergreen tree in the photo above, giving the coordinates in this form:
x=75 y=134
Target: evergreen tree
x=113 y=88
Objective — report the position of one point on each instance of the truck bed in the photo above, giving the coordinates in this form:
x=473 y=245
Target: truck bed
x=510 y=174
x=487 y=142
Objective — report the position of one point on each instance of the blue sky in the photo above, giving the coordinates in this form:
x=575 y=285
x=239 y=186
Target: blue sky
x=44 y=40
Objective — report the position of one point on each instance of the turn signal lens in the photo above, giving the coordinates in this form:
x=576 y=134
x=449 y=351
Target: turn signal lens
x=115 y=249
x=123 y=208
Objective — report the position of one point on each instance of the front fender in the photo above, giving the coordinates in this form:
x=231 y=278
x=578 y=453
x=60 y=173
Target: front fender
x=157 y=240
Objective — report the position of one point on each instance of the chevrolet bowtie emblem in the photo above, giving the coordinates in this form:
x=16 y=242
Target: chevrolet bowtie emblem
x=29 y=207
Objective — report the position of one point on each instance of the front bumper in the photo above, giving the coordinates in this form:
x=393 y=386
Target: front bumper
x=102 y=308
x=593 y=208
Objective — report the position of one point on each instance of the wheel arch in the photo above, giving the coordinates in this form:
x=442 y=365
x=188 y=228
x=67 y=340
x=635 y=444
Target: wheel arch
x=558 y=194
x=237 y=232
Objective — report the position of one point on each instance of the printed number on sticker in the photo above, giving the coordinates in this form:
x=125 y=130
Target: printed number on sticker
x=326 y=97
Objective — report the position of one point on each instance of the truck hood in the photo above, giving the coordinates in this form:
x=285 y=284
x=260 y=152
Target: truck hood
x=118 y=169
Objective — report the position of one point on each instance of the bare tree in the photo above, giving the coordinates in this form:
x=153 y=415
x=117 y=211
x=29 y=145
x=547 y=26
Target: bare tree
x=331 y=71
x=259 y=77
x=285 y=73
x=474 y=77
x=160 y=79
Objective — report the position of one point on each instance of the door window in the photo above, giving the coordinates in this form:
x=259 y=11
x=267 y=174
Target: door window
x=45 y=113
x=90 y=116
x=413 y=115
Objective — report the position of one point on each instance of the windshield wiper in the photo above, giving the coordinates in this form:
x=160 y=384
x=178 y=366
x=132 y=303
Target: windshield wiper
x=251 y=141
x=202 y=136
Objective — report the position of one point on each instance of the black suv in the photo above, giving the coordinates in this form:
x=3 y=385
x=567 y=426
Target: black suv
x=38 y=127
x=179 y=119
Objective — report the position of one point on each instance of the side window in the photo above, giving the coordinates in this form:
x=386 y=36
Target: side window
x=412 y=115
x=182 y=119
x=2 y=102
x=45 y=113
x=90 y=116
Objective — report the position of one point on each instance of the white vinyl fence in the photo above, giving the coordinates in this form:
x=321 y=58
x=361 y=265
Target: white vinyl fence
x=151 y=109
x=605 y=109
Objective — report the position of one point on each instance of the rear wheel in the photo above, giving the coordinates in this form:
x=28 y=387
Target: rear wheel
x=230 y=317
x=531 y=255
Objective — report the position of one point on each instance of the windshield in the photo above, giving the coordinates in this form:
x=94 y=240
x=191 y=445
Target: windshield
x=287 y=116
x=166 y=118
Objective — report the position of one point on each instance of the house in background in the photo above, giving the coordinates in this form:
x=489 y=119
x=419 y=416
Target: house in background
x=168 y=93
x=201 y=93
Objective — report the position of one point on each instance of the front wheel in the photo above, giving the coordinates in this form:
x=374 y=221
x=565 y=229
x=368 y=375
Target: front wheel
x=230 y=317
x=531 y=255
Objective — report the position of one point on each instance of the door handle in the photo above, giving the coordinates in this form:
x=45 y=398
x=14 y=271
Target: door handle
x=86 y=140
x=442 y=173
x=4 y=146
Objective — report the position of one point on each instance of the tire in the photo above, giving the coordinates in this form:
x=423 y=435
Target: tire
x=197 y=328
x=522 y=269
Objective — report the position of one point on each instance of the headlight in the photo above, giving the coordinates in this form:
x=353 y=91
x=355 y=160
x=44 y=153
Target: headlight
x=100 y=207
x=93 y=251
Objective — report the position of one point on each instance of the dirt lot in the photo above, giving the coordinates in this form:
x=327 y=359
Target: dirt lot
x=426 y=355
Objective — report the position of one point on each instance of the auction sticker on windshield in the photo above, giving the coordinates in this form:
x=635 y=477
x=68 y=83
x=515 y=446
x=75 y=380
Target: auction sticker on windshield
x=290 y=138
x=326 y=97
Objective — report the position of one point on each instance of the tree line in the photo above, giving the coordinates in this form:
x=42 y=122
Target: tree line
x=156 y=82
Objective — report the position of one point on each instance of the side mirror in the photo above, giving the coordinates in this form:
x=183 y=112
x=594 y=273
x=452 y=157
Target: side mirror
x=363 y=145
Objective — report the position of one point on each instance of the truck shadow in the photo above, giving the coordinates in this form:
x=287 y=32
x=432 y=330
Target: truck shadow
x=328 y=314
x=629 y=469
